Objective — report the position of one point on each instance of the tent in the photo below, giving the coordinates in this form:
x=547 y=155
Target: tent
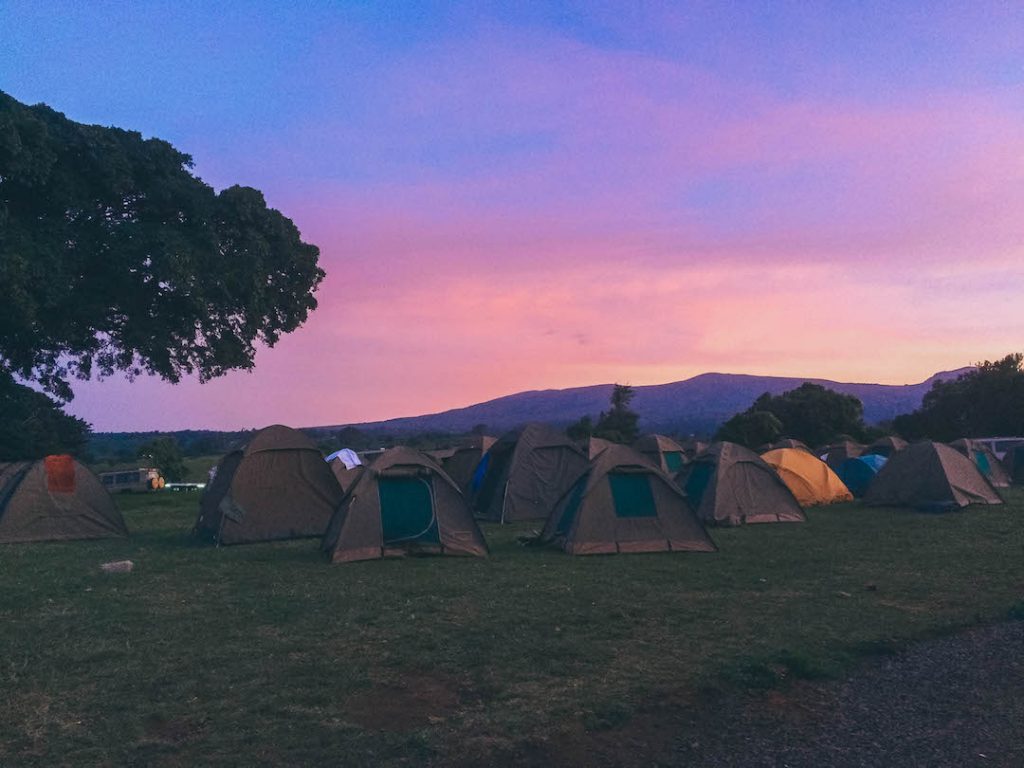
x=463 y=459
x=278 y=487
x=596 y=445
x=1013 y=463
x=858 y=472
x=887 y=446
x=404 y=503
x=663 y=451
x=623 y=504
x=345 y=476
x=807 y=476
x=984 y=460
x=692 y=446
x=729 y=485
x=930 y=476
x=55 y=499
x=440 y=454
x=525 y=473
x=346 y=466
x=835 y=454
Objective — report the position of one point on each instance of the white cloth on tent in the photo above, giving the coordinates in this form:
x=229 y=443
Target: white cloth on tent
x=346 y=456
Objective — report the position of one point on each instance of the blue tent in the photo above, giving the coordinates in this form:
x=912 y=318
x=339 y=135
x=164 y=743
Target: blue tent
x=858 y=472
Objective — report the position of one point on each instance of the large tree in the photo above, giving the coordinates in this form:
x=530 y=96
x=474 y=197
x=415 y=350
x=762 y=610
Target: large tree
x=985 y=402
x=811 y=413
x=32 y=425
x=114 y=256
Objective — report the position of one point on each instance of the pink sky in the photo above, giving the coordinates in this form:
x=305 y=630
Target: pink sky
x=515 y=205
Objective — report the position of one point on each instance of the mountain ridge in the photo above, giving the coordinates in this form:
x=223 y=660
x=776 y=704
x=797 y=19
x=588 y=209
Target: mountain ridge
x=691 y=406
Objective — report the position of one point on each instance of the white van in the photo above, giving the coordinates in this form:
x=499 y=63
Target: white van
x=1000 y=445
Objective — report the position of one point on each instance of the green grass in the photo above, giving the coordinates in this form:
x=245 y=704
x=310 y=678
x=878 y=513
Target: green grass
x=267 y=655
x=197 y=468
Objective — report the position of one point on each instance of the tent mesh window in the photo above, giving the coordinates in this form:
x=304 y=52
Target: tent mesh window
x=673 y=460
x=631 y=494
x=982 y=461
x=698 y=480
x=407 y=510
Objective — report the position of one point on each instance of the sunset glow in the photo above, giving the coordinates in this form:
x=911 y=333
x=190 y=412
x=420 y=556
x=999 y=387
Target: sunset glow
x=509 y=200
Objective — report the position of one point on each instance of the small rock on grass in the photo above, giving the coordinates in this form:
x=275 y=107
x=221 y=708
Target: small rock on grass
x=117 y=566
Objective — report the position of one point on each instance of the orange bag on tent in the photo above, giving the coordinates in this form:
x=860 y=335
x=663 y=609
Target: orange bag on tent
x=60 y=474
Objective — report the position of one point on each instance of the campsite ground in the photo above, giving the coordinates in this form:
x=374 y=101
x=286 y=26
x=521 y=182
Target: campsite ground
x=267 y=655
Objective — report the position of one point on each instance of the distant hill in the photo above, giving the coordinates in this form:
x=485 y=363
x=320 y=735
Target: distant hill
x=693 y=406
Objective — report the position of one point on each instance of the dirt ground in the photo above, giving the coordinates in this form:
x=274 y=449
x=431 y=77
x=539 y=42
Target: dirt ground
x=956 y=701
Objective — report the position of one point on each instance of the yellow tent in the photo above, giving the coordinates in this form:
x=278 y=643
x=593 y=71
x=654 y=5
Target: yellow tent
x=808 y=477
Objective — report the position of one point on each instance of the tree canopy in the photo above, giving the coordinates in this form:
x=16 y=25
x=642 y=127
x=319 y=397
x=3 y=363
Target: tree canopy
x=985 y=402
x=751 y=428
x=165 y=454
x=32 y=425
x=619 y=423
x=114 y=257
x=811 y=413
x=580 y=430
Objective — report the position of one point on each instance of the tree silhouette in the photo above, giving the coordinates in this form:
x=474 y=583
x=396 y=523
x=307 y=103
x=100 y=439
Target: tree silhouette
x=114 y=257
x=619 y=423
x=988 y=401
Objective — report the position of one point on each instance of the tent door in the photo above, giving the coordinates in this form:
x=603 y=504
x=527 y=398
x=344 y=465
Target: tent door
x=407 y=510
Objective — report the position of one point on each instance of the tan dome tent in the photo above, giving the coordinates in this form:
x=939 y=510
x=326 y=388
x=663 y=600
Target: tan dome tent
x=346 y=466
x=55 y=499
x=596 y=445
x=730 y=485
x=403 y=504
x=663 y=452
x=986 y=461
x=624 y=504
x=835 y=454
x=346 y=476
x=525 y=473
x=692 y=446
x=930 y=476
x=807 y=477
x=278 y=487
x=463 y=460
x=887 y=446
x=440 y=454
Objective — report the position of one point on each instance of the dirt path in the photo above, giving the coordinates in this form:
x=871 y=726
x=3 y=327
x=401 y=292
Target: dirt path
x=956 y=701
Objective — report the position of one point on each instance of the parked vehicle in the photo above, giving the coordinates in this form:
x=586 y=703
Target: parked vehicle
x=141 y=479
x=1000 y=445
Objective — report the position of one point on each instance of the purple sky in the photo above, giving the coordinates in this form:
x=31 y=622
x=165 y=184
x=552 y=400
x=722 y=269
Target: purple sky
x=523 y=196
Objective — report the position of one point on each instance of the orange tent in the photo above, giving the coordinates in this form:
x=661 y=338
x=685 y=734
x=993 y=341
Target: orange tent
x=808 y=477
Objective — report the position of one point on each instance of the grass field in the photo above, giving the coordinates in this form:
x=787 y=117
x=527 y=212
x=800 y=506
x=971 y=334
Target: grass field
x=197 y=468
x=267 y=655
